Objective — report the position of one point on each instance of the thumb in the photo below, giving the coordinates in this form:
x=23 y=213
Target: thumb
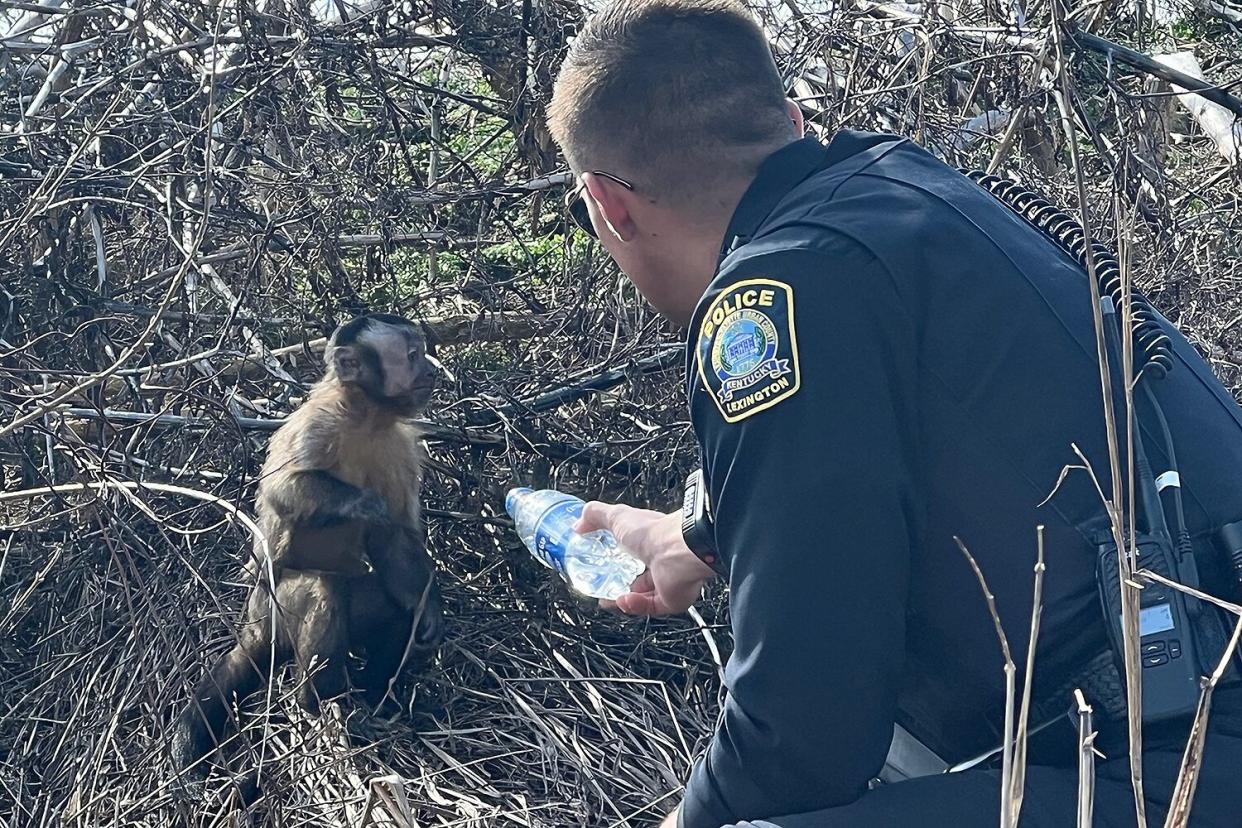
x=595 y=515
x=641 y=603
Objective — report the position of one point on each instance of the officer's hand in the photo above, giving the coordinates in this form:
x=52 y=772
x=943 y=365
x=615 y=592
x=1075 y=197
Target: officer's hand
x=674 y=576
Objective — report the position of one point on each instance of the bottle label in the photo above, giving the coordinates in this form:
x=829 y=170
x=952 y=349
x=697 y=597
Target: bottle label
x=553 y=531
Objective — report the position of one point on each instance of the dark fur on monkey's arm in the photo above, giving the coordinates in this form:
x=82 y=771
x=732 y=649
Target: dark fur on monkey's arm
x=394 y=551
x=316 y=499
x=401 y=560
x=323 y=519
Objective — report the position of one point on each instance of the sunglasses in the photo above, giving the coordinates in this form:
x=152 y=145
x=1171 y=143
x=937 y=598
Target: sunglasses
x=575 y=202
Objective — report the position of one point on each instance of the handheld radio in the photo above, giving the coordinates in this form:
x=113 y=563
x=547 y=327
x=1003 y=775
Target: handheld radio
x=1167 y=650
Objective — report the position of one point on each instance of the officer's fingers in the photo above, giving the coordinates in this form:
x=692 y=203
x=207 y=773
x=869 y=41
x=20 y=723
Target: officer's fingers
x=626 y=524
x=641 y=603
x=643 y=583
x=596 y=515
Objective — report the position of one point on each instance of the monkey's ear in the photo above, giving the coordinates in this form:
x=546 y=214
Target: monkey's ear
x=347 y=362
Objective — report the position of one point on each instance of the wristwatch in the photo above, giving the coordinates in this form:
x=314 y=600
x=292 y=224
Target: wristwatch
x=696 y=522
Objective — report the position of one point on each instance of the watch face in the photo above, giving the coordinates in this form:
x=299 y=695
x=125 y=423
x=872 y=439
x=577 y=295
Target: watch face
x=687 y=500
x=695 y=522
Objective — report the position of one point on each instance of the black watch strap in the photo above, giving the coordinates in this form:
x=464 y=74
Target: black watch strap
x=696 y=522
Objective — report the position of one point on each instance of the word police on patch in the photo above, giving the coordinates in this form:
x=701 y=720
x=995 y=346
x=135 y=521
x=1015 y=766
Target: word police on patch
x=748 y=349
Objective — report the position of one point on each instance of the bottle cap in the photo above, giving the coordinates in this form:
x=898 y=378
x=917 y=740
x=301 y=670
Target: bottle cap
x=513 y=495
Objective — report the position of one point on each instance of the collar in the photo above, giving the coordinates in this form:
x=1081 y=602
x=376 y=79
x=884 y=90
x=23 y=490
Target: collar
x=779 y=173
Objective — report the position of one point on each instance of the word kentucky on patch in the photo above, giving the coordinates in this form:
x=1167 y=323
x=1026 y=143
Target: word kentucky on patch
x=747 y=348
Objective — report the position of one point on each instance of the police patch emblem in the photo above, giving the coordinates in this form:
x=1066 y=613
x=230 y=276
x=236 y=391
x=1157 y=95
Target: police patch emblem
x=747 y=350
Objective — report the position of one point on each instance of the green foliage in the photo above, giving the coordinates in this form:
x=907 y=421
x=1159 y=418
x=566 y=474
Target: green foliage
x=490 y=357
x=488 y=143
x=1196 y=26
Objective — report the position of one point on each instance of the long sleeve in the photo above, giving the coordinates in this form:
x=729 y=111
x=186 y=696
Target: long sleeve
x=812 y=492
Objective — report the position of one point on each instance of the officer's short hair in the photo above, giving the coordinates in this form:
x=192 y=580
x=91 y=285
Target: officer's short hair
x=674 y=95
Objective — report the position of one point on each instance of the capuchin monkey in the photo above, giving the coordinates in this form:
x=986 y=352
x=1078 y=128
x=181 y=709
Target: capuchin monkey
x=338 y=501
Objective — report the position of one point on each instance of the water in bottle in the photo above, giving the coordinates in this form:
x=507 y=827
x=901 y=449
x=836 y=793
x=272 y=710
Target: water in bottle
x=593 y=564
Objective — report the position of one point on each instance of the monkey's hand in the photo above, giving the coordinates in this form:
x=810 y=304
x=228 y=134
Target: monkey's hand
x=367 y=506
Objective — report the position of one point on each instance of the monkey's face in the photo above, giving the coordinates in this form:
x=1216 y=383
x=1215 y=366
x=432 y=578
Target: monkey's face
x=385 y=357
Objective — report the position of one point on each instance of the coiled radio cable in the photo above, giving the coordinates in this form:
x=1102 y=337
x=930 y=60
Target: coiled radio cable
x=1152 y=347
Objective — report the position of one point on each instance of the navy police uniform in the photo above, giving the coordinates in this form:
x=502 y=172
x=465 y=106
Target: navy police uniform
x=887 y=359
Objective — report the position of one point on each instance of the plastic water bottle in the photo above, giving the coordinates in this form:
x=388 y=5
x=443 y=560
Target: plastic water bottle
x=593 y=564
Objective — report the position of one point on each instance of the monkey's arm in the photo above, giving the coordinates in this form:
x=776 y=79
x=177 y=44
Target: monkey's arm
x=316 y=499
x=324 y=521
x=403 y=565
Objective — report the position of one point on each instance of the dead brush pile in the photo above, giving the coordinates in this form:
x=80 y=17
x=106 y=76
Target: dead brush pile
x=192 y=194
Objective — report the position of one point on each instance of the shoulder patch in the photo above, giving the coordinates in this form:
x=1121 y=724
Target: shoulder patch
x=747 y=348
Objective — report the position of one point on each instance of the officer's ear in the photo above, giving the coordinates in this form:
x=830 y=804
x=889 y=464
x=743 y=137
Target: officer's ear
x=610 y=204
x=795 y=115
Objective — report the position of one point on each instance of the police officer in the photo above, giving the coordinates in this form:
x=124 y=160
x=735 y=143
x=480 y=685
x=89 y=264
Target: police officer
x=881 y=357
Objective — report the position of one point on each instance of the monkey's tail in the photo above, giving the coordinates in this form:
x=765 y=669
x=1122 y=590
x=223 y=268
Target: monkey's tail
x=201 y=725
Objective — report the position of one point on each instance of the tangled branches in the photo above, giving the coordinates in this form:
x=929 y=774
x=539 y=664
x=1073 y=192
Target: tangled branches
x=193 y=194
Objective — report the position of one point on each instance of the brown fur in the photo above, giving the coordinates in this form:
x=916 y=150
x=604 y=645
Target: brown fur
x=346 y=436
